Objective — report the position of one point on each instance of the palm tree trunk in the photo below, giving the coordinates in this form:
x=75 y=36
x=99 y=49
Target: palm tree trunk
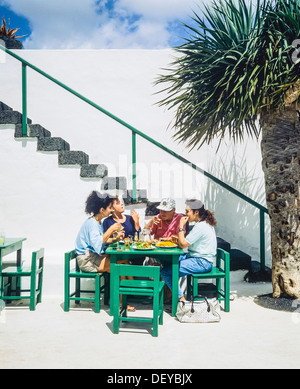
x=281 y=166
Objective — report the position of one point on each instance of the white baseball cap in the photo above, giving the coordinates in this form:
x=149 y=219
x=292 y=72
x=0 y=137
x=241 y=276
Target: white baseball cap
x=167 y=204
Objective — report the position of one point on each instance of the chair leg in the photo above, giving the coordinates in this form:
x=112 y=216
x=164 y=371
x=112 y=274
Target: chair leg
x=115 y=312
x=106 y=288
x=33 y=291
x=155 y=314
x=97 y=293
x=77 y=289
x=67 y=293
x=124 y=305
x=189 y=287
x=161 y=307
x=227 y=294
x=195 y=287
x=40 y=285
x=218 y=287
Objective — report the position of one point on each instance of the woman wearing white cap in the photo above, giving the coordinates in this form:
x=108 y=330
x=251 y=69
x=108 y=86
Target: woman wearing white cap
x=201 y=243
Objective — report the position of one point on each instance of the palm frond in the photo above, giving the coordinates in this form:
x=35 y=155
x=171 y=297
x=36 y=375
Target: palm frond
x=235 y=64
x=8 y=32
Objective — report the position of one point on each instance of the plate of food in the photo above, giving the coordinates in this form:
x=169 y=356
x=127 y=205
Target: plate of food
x=143 y=246
x=166 y=245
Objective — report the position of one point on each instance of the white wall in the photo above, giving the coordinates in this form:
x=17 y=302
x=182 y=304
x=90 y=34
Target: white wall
x=45 y=202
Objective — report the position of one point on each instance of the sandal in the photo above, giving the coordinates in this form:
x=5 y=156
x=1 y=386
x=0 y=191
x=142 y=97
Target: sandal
x=129 y=308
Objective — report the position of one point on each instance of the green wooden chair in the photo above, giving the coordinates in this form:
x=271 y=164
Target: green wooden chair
x=218 y=272
x=77 y=294
x=35 y=274
x=138 y=287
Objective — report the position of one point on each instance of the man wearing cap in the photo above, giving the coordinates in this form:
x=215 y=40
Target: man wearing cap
x=167 y=222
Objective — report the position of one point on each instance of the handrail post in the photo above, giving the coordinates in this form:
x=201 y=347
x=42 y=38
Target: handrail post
x=24 y=100
x=262 y=239
x=134 y=198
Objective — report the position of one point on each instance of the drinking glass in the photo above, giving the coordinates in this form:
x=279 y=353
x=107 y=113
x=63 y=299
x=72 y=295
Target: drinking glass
x=127 y=244
x=2 y=237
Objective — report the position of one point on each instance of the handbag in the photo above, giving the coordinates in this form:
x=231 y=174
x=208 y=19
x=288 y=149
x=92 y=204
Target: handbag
x=198 y=311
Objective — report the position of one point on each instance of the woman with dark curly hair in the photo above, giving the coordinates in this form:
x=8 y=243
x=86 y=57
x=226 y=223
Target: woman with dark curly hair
x=201 y=243
x=91 y=238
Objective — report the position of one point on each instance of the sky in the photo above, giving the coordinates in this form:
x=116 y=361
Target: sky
x=99 y=24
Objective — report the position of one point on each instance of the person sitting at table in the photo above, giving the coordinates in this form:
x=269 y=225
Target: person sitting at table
x=201 y=243
x=164 y=225
x=91 y=237
x=167 y=222
x=130 y=223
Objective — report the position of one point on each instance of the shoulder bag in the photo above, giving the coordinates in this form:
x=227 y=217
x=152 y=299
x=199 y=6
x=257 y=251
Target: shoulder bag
x=198 y=311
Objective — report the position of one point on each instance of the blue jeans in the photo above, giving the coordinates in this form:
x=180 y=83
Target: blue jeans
x=187 y=265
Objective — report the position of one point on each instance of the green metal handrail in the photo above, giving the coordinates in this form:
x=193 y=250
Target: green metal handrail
x=262 y=210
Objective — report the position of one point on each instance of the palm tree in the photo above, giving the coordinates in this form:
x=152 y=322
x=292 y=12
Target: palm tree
x=237 y=73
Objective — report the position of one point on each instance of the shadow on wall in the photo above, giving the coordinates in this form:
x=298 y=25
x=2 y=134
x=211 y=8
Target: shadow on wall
x=230 y=210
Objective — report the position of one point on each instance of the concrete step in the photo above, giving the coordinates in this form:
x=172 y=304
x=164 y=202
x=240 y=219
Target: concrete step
x=33 y=131
x=239 y=260
x=255 y=274
x=92 y=170
x=4 y=107
x=67 y=157
x=114 y=183
x=52 y=144
x=72 y=158
x=11 y=117
x=141 y=195
x=151 y=209
x=223 y=244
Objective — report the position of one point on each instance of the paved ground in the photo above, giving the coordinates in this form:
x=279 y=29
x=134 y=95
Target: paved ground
x=249 y=336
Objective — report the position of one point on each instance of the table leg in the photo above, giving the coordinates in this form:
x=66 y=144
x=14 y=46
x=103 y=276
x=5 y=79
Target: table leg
x=0 y=277
x=175 y=283
x=19 y=264
x=113 y=261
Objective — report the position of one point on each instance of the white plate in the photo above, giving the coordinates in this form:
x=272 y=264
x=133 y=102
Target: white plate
x=150 y=248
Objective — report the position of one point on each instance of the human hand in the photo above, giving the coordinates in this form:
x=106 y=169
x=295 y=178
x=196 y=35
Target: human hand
x=117 y=227
x=183 y=221
x=135 y=216
x=156 y=220
x=121 y=235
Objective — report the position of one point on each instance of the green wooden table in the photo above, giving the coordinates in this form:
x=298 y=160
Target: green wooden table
x=9 y=246
x=169 y=255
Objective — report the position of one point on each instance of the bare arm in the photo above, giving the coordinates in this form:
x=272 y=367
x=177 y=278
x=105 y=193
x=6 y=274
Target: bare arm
x=181 y=238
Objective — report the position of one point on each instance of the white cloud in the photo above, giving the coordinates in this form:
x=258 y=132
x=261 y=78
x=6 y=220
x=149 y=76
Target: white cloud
x=68 y=24
x=164 y=10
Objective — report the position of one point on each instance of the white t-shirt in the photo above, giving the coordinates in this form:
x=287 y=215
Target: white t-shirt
x=203 y=241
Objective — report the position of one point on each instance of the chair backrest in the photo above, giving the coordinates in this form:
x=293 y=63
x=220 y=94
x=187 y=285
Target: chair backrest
x=223 y=256
x=69 y=256
x=139 y=271
x=37 y=256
